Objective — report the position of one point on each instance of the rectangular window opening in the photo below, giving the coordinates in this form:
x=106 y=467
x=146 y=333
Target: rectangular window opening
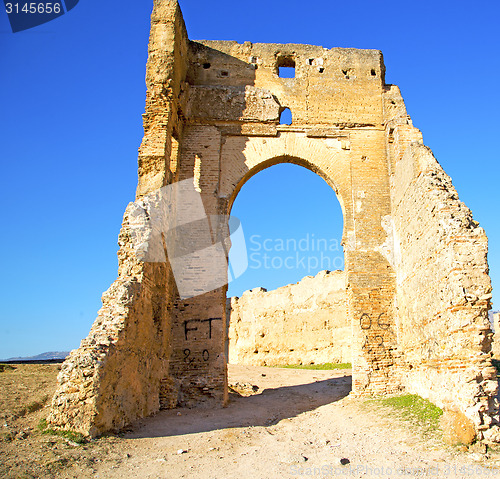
x=286 y=67
x=286 y=72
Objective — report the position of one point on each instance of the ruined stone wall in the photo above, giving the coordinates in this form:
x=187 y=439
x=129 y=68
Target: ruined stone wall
x=443 y=290
x=120 y=372
x=115 y=375
x=417 y=286
x=302 y=323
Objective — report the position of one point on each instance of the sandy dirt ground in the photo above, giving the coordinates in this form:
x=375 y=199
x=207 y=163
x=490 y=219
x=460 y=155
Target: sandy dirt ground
x=280 y=423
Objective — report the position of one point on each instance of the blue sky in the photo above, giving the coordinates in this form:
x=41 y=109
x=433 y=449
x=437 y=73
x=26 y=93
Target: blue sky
x=292 y=222
x=72 y=93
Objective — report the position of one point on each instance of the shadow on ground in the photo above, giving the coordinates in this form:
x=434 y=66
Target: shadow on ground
x=264 y=409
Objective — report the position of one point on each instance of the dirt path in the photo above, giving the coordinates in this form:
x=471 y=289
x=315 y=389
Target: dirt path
x=298 y=423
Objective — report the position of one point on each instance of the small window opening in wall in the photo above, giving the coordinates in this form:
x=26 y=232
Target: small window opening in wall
x=374 y=73
x=206 y=66
x=310 y=61
x=346 y=73
x=224 y=73
x=287 y=72
x=286 y=117
x=286 y=67
x=321 y=69
x=174 y=153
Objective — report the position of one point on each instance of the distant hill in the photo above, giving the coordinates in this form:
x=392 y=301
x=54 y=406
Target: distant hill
x=50 y=356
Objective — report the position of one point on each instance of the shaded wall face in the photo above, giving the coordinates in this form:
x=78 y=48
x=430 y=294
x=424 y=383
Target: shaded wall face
x=302 y=323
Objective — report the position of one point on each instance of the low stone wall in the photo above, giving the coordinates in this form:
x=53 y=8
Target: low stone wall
x=495 y=346
x=300 y=323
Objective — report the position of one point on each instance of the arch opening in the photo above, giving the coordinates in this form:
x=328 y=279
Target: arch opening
x=286 y=117
x=289 y=308
x=286 y=207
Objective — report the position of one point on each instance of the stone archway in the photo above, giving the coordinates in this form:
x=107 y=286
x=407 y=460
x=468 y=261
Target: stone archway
x=200 y=336
x=417 y=273
x=295 y=323
x=373 y=332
